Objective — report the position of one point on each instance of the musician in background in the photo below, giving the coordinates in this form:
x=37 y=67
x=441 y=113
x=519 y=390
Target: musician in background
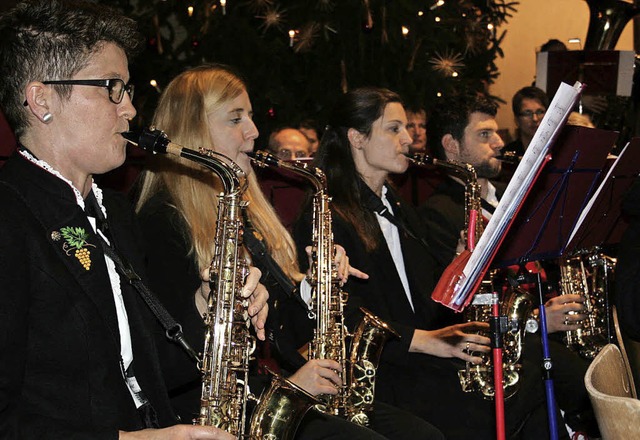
x=464 y=129
x=209 y=107
x=77 y=357
x=367 y=139
x=288 y=143
x=417 y=127
x=529 y=105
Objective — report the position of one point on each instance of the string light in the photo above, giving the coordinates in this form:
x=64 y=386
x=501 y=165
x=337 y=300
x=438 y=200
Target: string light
x=405 y=31
x=490 y=26
x=420 y=13
x=190 y=11
x=292 y=35
x=437 y=19
x=154 y=84
x=454 y=74
x=437 y=4
x=223 y=3
x=439 y=94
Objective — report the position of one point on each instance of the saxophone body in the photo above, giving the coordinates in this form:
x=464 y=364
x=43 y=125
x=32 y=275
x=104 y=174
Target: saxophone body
x=228 y=342
x=516 y=303
x=589 y=274
x=360 y=358
x=517 y=306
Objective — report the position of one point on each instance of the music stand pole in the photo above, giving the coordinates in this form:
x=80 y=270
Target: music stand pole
x=497 y=346
x=547 y=368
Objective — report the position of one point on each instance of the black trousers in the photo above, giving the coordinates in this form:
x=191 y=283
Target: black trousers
x=387 y=422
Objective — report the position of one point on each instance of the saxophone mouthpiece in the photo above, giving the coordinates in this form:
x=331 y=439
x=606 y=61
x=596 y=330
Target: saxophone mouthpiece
x=149 y=139
x=131 y=136
x=264 y=158
x=509 y=157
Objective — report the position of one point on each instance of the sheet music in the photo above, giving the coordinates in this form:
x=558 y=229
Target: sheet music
x=593 y=198
x=557 y=113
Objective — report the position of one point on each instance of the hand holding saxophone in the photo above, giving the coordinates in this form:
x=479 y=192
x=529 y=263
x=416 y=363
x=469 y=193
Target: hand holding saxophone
x=341 y=262
x=455 y=341
x=255 y=292
x=318 y=376
x=564 y=312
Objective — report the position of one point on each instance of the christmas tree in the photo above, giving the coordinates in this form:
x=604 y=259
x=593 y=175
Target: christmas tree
x=298 y=56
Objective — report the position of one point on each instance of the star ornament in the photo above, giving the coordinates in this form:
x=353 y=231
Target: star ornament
x=448 y=64
x=272 y=18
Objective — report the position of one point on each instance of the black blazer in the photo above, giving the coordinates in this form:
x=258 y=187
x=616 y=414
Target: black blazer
x=60 y=374
x=383 y=293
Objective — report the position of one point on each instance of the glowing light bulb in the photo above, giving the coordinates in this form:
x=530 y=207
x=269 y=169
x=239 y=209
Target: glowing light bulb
x=190 y=11
x=420 y=13
x=223 y=3
x=439 y=94
x=292 y=35
x=490 y=26
x=454 y=74
x=405 y=31
x=437 y=19
x=154 y=84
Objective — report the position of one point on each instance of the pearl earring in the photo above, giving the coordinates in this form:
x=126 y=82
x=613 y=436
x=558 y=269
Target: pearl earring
x=47 y=117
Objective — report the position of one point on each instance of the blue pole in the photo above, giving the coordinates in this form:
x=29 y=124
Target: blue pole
x=547 y=368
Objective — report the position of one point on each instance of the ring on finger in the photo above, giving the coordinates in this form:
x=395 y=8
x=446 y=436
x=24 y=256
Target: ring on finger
x=566 y=320
x=466 y=349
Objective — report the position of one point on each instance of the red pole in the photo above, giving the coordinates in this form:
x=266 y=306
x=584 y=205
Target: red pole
x=497 y=367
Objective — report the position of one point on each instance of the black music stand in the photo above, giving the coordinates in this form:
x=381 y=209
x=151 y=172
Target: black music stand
x=545 y=222
x=604 y=224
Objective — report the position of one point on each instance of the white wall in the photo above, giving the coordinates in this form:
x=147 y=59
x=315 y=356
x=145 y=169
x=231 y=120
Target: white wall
x=534 y=23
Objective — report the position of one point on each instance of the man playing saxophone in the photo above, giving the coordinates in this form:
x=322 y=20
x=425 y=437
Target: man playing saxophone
x=465 y=130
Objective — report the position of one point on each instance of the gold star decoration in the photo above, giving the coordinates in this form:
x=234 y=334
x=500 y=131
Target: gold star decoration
x=272 y=18
x=449 y=63
x=306 y=37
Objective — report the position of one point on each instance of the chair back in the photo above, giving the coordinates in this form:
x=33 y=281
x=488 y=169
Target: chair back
x=610 y=391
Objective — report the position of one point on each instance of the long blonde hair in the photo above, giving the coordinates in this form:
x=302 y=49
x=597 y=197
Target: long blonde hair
x=182 y=115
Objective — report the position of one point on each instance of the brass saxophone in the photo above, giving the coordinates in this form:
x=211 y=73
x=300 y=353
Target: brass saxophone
x=228 y=343
x=467 y=174
x=516 y=305
x=588 y=274
x=355 y=397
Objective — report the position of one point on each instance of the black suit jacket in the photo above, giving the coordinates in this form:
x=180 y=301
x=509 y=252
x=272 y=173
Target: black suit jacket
x=60 y=374
x=443 y=214
x=383 y=293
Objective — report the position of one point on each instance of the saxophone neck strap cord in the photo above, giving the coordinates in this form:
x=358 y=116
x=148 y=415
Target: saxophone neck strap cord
x=259 y=253
x=173 y=330
x=375 y=204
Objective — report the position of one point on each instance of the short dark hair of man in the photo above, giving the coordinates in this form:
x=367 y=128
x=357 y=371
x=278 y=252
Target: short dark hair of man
x=533 y=93
x=451 y=116
x=553 y=45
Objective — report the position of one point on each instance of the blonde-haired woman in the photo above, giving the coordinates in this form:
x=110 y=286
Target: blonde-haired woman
x=209 y=107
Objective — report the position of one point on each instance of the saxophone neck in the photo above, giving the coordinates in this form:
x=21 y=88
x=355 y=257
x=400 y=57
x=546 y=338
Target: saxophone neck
x=313 y=174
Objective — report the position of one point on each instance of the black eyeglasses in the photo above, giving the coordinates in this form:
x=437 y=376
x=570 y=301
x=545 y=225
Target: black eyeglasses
x=529 y=114
x=115 y=86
